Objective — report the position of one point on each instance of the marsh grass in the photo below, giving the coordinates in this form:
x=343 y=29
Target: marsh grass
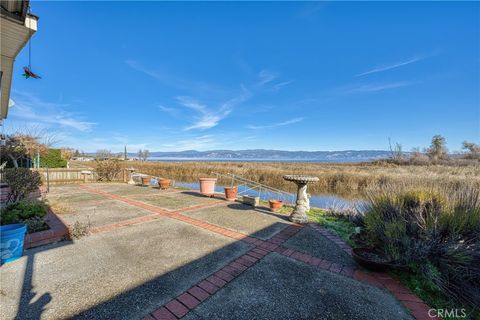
x=348 y=180
x=433 y=231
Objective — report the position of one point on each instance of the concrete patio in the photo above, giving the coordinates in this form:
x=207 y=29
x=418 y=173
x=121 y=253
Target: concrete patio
x=168 y=254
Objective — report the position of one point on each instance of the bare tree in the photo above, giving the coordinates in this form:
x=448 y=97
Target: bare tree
x=396 y=151
x=145 y=154
x=27 y=143
x=103 y=154
x=472 y=148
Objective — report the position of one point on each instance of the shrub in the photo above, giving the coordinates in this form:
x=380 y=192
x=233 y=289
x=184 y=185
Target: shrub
x=32 y=213
x=107 y=170
x=22 y=181
x=53 y=159
x=432 y=231
x=80 y=229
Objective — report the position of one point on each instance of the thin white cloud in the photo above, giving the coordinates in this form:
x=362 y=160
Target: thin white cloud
x=175 y=81
x=391 y=66
x=171 y=111
x=209 y=117
x=310 y=10
x=280 y=85
x=378 y=87
x=32 y=109
x=265 y=77
x=275 y=125
x=202 y=142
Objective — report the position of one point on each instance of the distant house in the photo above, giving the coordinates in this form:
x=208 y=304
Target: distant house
x=16 y=27
x=82 y=159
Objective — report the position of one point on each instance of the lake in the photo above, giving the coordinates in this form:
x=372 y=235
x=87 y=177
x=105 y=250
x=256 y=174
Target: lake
x=320 y=201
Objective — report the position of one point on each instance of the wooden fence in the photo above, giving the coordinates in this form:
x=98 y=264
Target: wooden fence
x=73 y=175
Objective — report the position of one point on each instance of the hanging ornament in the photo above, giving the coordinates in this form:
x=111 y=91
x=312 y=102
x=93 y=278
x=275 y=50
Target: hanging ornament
x=28 y=73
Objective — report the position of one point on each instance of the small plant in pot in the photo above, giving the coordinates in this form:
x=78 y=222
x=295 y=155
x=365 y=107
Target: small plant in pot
x=275 y=205
x=231 y=193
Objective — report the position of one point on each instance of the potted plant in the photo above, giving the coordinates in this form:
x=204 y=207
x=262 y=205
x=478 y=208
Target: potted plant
x=164 y=183
x=207 y=186
x=231 y=193
x=275 y=205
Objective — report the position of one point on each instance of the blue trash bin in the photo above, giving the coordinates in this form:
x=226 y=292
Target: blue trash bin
x=11 y=241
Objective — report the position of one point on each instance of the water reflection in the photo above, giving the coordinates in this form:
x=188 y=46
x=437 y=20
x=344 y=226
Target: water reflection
x=319 y=201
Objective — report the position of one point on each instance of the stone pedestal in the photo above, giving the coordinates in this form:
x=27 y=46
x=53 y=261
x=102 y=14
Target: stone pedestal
x=130 y=171
x=302 y=205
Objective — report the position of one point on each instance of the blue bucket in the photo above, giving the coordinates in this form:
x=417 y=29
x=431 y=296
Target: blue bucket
x=11 y=241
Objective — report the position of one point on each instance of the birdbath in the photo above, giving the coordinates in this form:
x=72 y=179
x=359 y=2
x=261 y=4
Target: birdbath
x=302 y=205
x=131 y=170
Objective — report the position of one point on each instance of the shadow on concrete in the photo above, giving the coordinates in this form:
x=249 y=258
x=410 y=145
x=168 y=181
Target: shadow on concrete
x=27 y=309
x=261 y=209
x=198 y=194
x=139 y=301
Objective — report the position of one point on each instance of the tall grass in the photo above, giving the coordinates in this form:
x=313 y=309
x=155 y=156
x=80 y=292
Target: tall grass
x=432 y=230
x=349 y=180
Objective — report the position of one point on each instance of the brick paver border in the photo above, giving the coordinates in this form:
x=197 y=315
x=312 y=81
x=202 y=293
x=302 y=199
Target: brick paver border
x=58 y=231
x=191 y=298
x=199 y=292
x=417 y=307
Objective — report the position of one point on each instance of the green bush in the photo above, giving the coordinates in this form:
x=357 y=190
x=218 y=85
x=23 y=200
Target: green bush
x=53 y=159
x=22 y=181
x=32 y=213
x=434 y=232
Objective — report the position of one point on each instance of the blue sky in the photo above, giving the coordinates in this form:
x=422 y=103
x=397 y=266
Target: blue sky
x=291 y=76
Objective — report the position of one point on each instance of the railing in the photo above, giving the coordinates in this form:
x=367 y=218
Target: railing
x=261 y=189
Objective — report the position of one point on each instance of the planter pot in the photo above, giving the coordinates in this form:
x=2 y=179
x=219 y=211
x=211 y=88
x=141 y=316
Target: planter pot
x=11 y=242
x=275 y=205
x=370 y=259
x=164 y=183
x=145 y=180
x=231 y=193
x=207 y=186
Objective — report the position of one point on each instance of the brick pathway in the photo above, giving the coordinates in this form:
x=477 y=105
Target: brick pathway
x=199 y=292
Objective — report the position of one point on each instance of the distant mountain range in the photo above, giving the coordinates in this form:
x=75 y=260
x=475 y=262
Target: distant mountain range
x=273 y=155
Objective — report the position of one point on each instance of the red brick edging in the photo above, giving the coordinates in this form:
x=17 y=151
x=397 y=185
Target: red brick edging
x=58 y=231
x=191 y=298
x=417 y=307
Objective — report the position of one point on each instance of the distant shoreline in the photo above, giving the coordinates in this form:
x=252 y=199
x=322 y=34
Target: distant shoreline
x=164 y=159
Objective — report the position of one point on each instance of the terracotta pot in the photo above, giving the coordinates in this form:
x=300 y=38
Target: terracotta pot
x=146 y=180
x=275 y=204
x=164 y=183
x=207 y=186
x=231 y=193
